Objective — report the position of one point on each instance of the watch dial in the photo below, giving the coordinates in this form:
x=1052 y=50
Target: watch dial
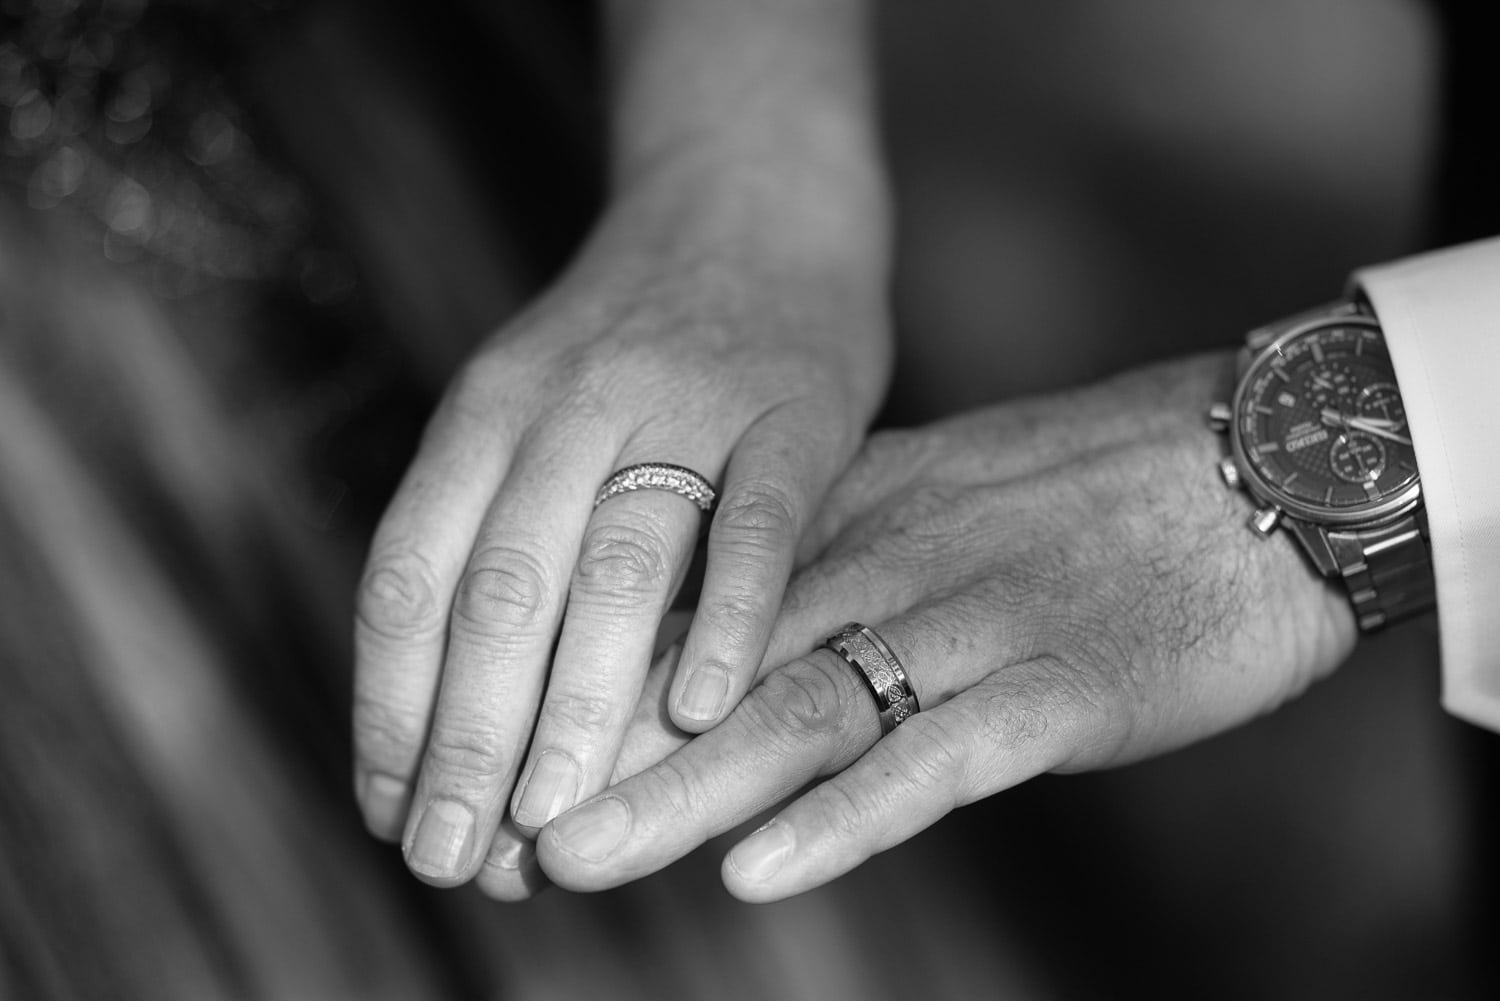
x=1320 y=423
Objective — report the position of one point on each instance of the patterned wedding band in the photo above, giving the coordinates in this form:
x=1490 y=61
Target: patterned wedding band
x=659 y=476
x=882 y=671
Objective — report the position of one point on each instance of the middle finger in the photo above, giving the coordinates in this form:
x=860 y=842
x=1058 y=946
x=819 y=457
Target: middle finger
x=634 y=555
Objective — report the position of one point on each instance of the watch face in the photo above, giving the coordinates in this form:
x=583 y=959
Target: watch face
x=1319 y=427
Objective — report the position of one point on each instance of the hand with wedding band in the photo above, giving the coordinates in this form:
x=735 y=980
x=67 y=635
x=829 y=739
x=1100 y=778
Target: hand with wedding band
x=705 y=367
x=514 y=588
x=1052 y=585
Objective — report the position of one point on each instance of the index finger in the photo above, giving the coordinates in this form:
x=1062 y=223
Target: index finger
x=401 y=617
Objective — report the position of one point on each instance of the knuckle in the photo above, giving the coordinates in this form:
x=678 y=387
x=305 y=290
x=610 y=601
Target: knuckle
x=580 y=712
x=806 y=699
x=381 y=728
x=760 y=515
x=1014 y=717
x=1060 y=703
x=736 y=622
x=1016 y=712
x=504 y=588
x=674 y=788
x=624 y=560
x=941 y=513
x=398 y=597
x=846 y=810
x=468 y=756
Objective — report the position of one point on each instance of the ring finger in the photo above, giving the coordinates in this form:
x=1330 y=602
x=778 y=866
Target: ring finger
x=633 y=557
x=811 y=718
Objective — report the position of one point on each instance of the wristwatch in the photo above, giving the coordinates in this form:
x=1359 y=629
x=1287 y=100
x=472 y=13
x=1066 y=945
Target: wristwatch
x=1318 y=437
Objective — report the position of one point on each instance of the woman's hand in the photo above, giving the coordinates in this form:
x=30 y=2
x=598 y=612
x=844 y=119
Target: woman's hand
x=501 y=610
x=727 y=315
x=1068 y=584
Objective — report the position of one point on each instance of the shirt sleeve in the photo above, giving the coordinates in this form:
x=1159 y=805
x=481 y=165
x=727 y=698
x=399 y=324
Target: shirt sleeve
x=1441 y=316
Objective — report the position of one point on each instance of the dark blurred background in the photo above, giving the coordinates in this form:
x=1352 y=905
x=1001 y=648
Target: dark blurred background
x=242 y=246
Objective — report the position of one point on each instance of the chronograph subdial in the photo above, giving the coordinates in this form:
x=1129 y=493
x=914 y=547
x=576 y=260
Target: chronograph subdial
x=1357 y=458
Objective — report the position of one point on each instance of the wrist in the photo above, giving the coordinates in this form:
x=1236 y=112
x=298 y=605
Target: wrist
x=827 y=219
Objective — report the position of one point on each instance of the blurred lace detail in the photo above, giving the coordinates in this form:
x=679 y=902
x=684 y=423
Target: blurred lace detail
x=121 y=110
x=126 y=130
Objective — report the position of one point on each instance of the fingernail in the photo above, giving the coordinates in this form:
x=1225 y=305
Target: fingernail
x=509 y=853
x=551 y=788
x=704 y=693
x=383 y=801
x=760 y=856
x=511 y=850
x=595 y=830
x=441 y=844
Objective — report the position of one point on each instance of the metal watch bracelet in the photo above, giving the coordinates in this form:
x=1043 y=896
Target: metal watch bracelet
x=1388 y=570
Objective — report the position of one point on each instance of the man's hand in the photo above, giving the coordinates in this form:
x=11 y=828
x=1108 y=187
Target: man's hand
x=1068 y=585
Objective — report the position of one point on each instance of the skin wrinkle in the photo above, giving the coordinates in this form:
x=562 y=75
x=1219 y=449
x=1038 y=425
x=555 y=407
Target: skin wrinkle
x=673 y=786
x=757 y=510
x=398 y=598
x=583 y=712
x=469 y=756
x=1013 y=720
x=504 y=591
x=625 y=561
x=390 y=735
x=810 y=696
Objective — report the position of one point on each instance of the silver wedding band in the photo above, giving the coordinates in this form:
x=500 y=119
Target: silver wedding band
x=867 y=653
x=659 y=476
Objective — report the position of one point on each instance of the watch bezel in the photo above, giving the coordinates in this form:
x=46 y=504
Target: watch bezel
x=1372 y=513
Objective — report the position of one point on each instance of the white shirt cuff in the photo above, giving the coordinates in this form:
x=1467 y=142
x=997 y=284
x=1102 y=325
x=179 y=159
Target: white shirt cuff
x=1441 y=317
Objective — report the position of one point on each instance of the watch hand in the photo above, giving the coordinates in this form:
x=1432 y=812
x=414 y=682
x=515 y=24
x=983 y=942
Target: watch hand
x=1362 y=424
x=1335 y=418
x=1380 y=422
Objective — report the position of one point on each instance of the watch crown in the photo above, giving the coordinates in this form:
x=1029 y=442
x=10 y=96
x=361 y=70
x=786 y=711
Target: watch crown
x=1264 y=521
x=1230 y=472
x=1219 y=416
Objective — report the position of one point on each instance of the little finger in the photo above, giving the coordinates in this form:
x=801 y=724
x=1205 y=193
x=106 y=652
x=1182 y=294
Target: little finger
x=778 y=473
